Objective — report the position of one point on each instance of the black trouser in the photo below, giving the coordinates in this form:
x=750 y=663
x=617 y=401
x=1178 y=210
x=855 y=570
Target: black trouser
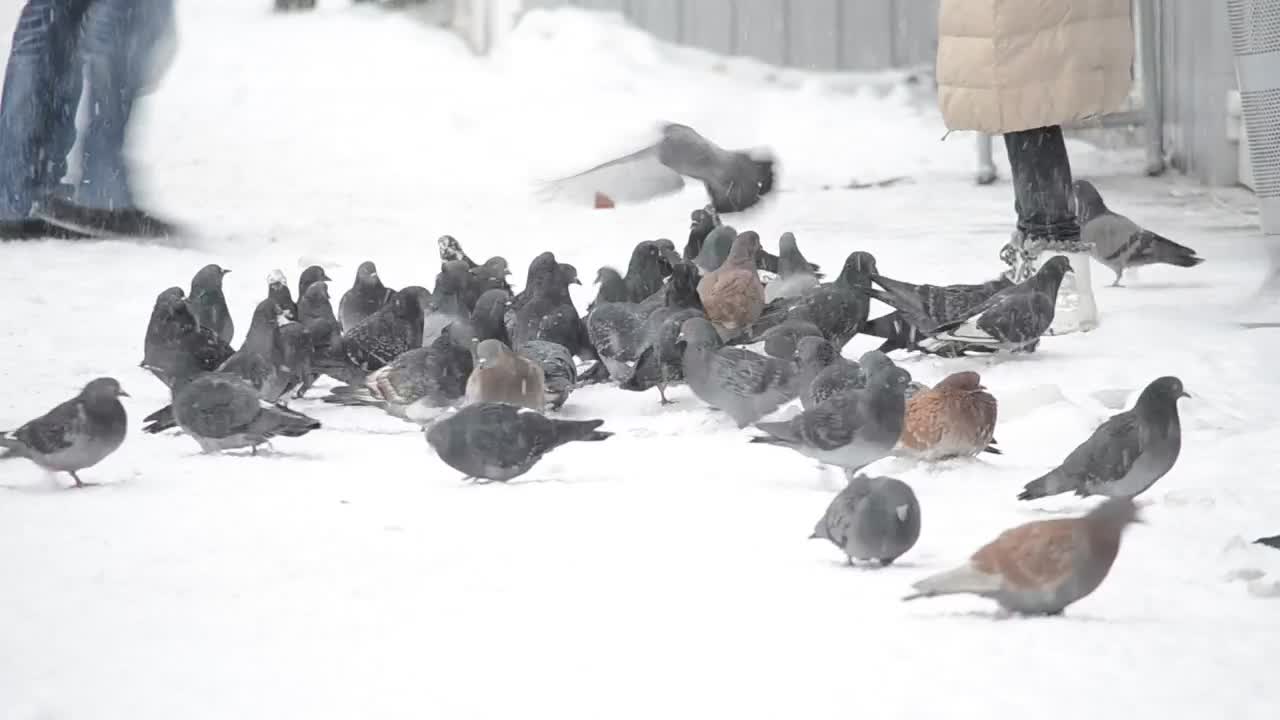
x=1042 y=185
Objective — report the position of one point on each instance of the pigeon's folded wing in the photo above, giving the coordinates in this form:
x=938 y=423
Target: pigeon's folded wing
x=1109 y=453
x=52 y=432
x=635 y=177
x=830 y=425
x=745 y=373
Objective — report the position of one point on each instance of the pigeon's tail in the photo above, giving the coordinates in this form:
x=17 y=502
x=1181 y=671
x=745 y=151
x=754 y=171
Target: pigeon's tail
x=11 y=447
x=339 y=368
x=580 y=430
x=597 y=373
x=992 y=449
x=1273 y=541
x=1052 y=483
x=780 y=433
x=912 y=312
x=159 y=421
x=1159 y=249
x=898 y=334
x=965 y=579
x=280 y=420
x=354 y=395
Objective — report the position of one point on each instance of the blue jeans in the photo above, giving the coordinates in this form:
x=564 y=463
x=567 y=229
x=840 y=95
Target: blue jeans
x=62 y=48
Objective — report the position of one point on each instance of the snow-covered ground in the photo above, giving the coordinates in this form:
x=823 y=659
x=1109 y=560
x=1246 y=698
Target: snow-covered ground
x=665 y=572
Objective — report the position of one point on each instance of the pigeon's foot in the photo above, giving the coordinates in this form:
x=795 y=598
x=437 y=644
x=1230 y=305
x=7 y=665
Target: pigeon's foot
x=80 y=483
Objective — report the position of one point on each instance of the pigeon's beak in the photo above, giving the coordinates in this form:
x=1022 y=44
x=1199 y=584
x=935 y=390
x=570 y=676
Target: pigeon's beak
x=1185 y=394
x=325 y=277
x=575 y=281
x=225 y=271
x=815 y=536
x=120 y=392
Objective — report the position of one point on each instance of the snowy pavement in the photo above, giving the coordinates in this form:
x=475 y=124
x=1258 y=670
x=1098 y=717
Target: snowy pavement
x=664 y=572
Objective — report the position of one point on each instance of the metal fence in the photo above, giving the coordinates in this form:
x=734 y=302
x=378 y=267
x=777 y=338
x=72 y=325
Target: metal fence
x=810 y=34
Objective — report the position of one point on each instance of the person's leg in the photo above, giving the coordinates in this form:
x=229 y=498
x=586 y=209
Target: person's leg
x=38 y=105
x=117 y=50
x=1041 y=173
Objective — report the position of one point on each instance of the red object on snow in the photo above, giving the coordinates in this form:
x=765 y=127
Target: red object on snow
x=603 y=201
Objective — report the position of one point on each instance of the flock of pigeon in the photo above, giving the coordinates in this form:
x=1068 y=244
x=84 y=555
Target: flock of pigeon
x=484 y=371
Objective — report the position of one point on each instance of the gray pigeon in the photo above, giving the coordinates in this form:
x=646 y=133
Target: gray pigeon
x=1119 y=242
x=1041 y=567
x=75 y=435
x=782 y=341
x=446 y=305
x=794 y=273
x=278 y=290
x=940 y=304
x=176 y=345
x=743 y=384
x=451 y=250
x=313 y=274
x=501 y=375
x=222 y=411
x=496 y=441
x=845 y=375
x=382 y=337
x=613 y=288
x=701 y=222
x=315 y=312
x=825 y=372
x=1012 y=320
x=660 y=362
x=715 y=249
x=417 y=385
x=366 y=296
x=488 y=319
x=838 y=308
x=546 y=311
x=208 y=303
x=850 y=430
x=296 y=350
x=735 y=180
x=260 y=359
x=873 y=518
x=1126 y=454
x=558 y=370
x=492 y=275
x=648 y=265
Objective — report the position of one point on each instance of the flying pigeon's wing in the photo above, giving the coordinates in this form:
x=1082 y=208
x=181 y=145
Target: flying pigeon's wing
x=636 y=177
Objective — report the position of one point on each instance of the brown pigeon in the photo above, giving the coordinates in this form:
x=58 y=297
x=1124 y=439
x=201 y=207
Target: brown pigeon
x=501 y=375
x=1042 y=567
x=955 y=418
x=732 y=294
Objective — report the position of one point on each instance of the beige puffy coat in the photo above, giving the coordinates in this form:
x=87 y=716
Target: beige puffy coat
x=1007 y=65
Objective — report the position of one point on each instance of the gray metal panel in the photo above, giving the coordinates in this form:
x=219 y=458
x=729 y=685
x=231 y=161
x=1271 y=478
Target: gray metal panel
x=710 y=25
x=813 y=34
x=614 y=5
x=915 y=32
x=660 y=17
x=762 y=30
x=866 y=39
x=1196 y=74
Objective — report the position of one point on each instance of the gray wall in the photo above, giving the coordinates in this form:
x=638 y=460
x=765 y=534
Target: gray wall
x=1192 y=39
x=811 y=34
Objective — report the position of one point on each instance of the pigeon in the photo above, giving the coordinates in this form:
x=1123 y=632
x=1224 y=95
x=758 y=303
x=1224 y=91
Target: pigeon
x=956 y=418
x=939 y=304
x=648 y=265
x=1126 y=454
x=547 y=312
x=873 y=518
x=735 y=180
x=260 y=359
x=501 y=375
x=794 y=274
x=315 y=312
x=613 y=289
x=617 y=332
x=732 y=294
x=313 y=274
x=76 y=434
x=558 y=371
x=838 y=308
x=445 y=306
x=451 y=250
x=660 y=362
x=208 y=303
x=849 y=430
x=394 y=329
x=417 y=385
x=782 y=341
x=492 y=275
x=497 y=441
x=1120 y=243
x=488 y=318
x=701 y=222
x=278 y=290
x=176 y=345
x=743 y=384
x=1013 y=319
x=667 y=249
x=1041 y=567
x=296 y=350
x=827 y=373
x=366 y=296
x=222 y=411
x=1272 y=542
x=715 y=249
